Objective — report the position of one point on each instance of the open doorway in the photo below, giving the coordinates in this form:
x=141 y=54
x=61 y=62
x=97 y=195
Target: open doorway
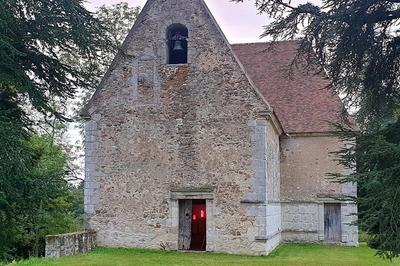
x=192 y=225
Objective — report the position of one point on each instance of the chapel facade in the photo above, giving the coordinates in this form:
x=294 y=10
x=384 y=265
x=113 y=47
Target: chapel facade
x=195 y=144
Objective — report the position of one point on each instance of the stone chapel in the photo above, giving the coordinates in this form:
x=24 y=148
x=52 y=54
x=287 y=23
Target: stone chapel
x=193 y=143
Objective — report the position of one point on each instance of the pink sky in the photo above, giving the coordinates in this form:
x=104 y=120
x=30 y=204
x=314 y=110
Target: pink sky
x=240 y=22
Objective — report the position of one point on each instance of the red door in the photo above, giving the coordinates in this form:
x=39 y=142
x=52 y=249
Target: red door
x=199 y=222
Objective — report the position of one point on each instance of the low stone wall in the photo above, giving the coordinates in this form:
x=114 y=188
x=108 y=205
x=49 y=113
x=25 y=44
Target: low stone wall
x=70 y=244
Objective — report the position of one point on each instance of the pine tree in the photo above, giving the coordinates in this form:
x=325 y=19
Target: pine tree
x=34 y=37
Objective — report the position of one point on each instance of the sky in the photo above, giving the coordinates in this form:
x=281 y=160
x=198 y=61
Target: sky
x=240 y=22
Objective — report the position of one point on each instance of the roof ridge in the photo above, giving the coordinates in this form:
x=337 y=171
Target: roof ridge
x=259 y=43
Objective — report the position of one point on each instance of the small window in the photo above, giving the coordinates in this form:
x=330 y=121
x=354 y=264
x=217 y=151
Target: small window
x=177 y=44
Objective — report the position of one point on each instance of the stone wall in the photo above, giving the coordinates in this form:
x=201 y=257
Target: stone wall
x=305 y=163
x=155 y=128
x=304 y=222
x=274 y=225
x=263 y=201
x=301 y=222
x=273 y=206
x=349 y=219
x=305 y=188
x=70 y=244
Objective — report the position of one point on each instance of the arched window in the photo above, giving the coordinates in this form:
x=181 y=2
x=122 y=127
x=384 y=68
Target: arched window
x=177 y=36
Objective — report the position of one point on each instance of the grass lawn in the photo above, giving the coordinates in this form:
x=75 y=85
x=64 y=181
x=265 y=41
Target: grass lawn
x=289 y=254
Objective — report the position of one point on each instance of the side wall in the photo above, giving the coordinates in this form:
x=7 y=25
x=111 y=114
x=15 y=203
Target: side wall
x=305 y=188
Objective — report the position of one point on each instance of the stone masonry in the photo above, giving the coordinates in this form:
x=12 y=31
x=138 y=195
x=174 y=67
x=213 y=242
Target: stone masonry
x=157 y=133
x=70 y=244
x=202 y=125
x=305 y=187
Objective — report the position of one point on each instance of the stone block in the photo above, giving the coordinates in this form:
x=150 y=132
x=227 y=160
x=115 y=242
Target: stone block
x=89 y=209
x=261 y=221
x=90 y=126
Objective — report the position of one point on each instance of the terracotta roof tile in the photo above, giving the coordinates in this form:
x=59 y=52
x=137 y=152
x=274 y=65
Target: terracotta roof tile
x=301 y=101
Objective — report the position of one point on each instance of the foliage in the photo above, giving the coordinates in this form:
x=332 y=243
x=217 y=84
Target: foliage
x=13 y=167
x=37 y=201
x=363 y=237
x=50 y=52
x=36 y=77
x=377 y=160
x=33 y=34
x=77 y=204
x=357 y=43
x=118 y=20
x=289 y=254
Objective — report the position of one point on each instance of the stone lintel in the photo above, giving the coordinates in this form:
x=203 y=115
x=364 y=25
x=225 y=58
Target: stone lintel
x=336 y=198
x=191 y=193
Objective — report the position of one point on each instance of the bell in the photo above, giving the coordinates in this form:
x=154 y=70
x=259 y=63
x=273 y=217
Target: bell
x=178 y=46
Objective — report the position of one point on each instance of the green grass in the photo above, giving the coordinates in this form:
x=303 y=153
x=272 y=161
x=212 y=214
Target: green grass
x=290 y=254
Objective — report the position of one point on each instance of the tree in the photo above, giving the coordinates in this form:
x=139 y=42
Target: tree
x=118 y=20
x=37 y=202
x=13 y=167
x=357 y=43
x=51 y=52
x=34 y=36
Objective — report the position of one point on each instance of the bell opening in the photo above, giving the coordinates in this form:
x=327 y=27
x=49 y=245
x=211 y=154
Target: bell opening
x=177 y=44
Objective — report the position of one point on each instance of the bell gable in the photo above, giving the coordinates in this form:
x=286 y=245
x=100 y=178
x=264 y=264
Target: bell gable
x=170 y=33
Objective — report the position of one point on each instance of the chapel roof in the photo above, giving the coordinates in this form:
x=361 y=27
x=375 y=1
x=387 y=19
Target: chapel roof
x=301 y=100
